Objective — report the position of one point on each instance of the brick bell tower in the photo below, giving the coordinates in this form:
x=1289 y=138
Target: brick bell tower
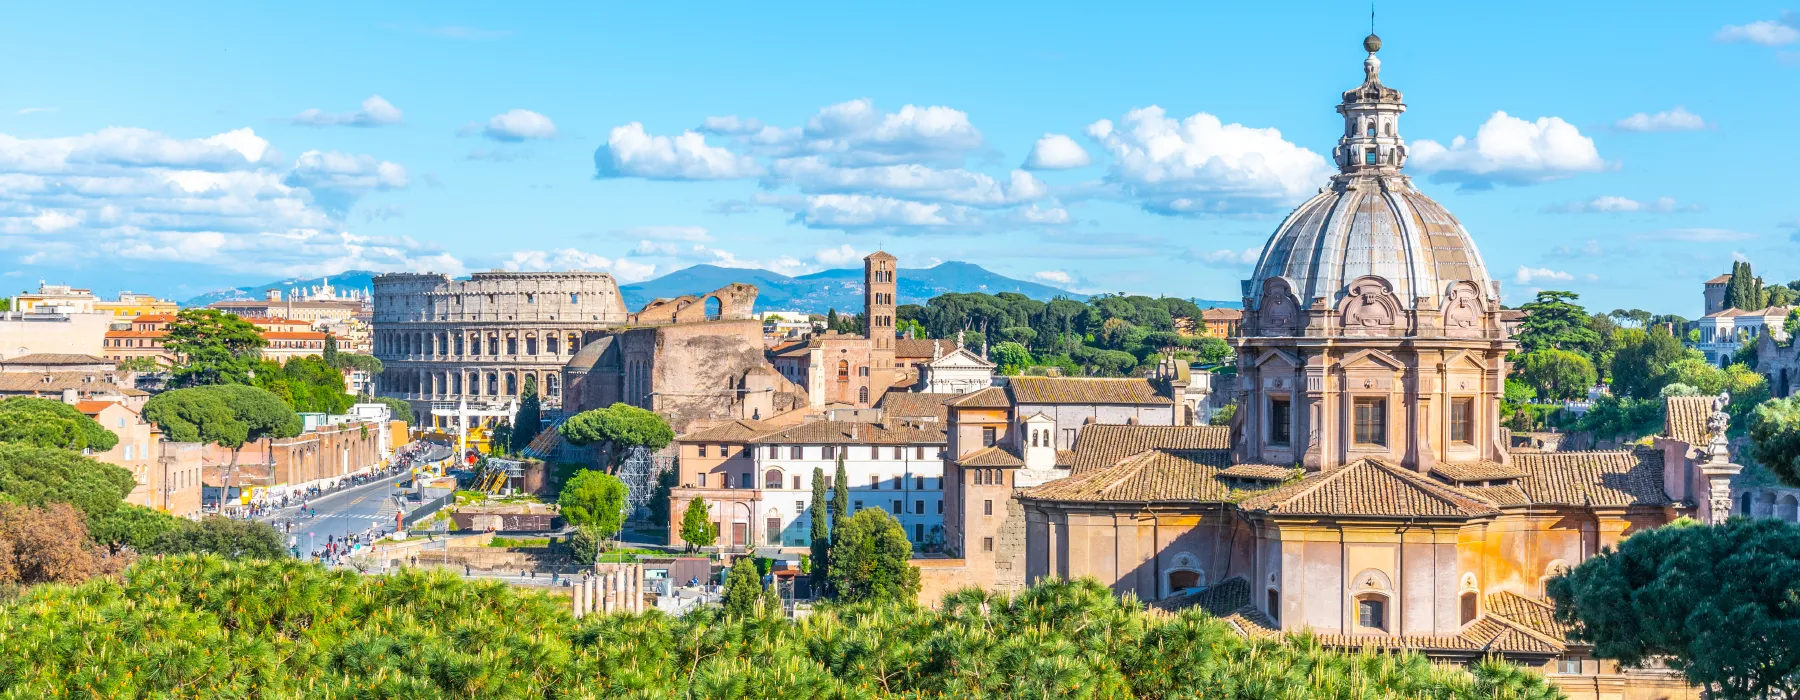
x=879 y=273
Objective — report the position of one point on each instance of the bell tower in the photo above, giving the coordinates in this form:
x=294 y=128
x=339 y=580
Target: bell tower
x=879 y=275
x=1371 y=140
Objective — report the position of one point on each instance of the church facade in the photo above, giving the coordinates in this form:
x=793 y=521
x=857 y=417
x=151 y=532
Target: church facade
x=1365 y=490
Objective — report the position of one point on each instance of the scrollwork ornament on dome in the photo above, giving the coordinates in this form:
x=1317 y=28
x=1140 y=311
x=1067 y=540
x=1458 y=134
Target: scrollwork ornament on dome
x=1369 y=306
x=1280 y=311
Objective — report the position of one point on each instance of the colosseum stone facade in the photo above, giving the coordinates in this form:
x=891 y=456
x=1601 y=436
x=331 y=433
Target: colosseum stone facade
x=444 y=339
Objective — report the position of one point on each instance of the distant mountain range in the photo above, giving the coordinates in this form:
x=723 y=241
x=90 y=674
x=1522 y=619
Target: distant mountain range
x=841 y=289
x=348 y=280
x=815 y=293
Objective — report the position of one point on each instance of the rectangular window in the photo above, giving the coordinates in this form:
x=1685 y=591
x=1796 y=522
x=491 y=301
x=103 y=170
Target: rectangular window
x=748 y=480
x=772 y=531
x=918 y=483
x=702 y=451
x=918 y=453
x=1570 y=666
x=987 y=507
x=1369 y=157
x=898 y=483
x=774 y=452
x=796 y=483
x=1280 y=421
x=799 y=506
x=796 y=452
x=918 y=533
x=701 y=478
x=724 y=450
x=987 y=437
x=940 y=506
x=899 y=452
x=856 y=506
x=1371 y=421
x=1371 y=613
x=828 y=452
x=874 y=481
x=899 y=508
x=987 y=544
x=1462 y=421
x=919 y=507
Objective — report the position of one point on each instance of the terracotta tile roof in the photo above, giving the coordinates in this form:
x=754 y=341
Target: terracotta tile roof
x=829 y=432
x=1156 y=476
x=1100 y=446
x=991 y=397
x=95 y=407
x=155 y=318
x=1369 y=487
x=1265 y=472
x=1221 y=314
x=1477 y=471
x=1536 y=615
x=1065 y=459
x=793 y=348
x=1610 y=478
x=907 y=404
x=729 y=431
x=995 y=456
x=1685 y=418
x=34 y=383
x=1512 y=314
x=293 y=335
x=57 y=358
x=1506 y=495
x=137 y=334
x=1721 y=279
x=921 y=348
x=1084 y=390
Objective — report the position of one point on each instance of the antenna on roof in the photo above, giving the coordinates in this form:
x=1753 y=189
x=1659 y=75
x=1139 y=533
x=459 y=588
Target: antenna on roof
x=1371 y=16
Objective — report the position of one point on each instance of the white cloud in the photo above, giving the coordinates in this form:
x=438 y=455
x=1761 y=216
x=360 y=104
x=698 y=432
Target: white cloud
x=669 y=233
x=518 y=125
x=1529 y=275
x=34 y=110
x=375 y=112
x=1610 y=204
x=51 y=221
x=1200 y=164
x=1052 y=215
x=630 y=152
x=1677 y=119
x=1056 y=152
x=1767 y=32
x=223 y=200
x=1697 y=235
x=863 y=211
x=1053 y=277
x=815 y=174
x=1245 y=257
x=839 y=256
x=1512 y=151
x=562 y=259
x=856 y=133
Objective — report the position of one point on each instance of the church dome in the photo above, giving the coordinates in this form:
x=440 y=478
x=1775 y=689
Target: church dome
x=1370 y=221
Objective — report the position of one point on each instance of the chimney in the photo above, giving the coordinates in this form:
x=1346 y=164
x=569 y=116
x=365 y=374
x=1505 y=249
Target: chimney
x=69 y=397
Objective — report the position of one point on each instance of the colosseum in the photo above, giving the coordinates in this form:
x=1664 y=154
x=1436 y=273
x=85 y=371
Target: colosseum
x=444 y=339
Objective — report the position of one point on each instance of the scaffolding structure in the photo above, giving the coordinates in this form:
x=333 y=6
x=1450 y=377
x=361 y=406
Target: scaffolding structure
x=639 y=470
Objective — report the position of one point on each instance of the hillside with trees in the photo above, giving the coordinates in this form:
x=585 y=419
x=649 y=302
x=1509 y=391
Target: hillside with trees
x=1104 y=336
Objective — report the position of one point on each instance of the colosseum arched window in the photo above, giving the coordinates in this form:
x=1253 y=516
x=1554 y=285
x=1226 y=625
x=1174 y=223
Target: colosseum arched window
x=512 y=344
x=531 y=344
x=493 y=384
x=574 y=343
x=552 y=385
x=550 y=344
x=512 y=384
x=493 y=344
x=459 y=344
x=475 y=383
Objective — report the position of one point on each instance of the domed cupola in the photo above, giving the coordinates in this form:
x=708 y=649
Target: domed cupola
x=1368 y=222
x=1371 y=327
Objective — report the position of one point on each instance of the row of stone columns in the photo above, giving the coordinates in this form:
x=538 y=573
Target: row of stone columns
x=613 y=588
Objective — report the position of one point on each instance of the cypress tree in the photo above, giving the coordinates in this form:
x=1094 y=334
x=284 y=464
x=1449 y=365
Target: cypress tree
x=330 y=356
x=528 y=422
x=821 y=534
x=840 y=499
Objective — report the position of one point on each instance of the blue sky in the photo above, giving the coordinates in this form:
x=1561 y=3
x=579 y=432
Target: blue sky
x=1624 y=151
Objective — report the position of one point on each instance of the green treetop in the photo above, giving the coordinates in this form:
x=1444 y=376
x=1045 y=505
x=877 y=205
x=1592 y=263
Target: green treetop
x=840 y=497
x=624 y=425
x=528 y=422
x=743 y=589
x=47 y=423
x=1713 y=602
x=697 y=528
x=215 y=347
x=1553 y=320
x=1775 y=438
x=869 y=559
x=820 y=532
x=596 y=500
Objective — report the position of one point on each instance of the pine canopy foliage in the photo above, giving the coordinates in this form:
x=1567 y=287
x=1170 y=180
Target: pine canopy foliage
x=200 y=626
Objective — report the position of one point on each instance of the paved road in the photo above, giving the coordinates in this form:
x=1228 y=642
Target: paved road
x=352 y=510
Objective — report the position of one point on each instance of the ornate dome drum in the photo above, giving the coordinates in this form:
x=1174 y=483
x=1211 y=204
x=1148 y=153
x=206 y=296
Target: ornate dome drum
x=1371 y=326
